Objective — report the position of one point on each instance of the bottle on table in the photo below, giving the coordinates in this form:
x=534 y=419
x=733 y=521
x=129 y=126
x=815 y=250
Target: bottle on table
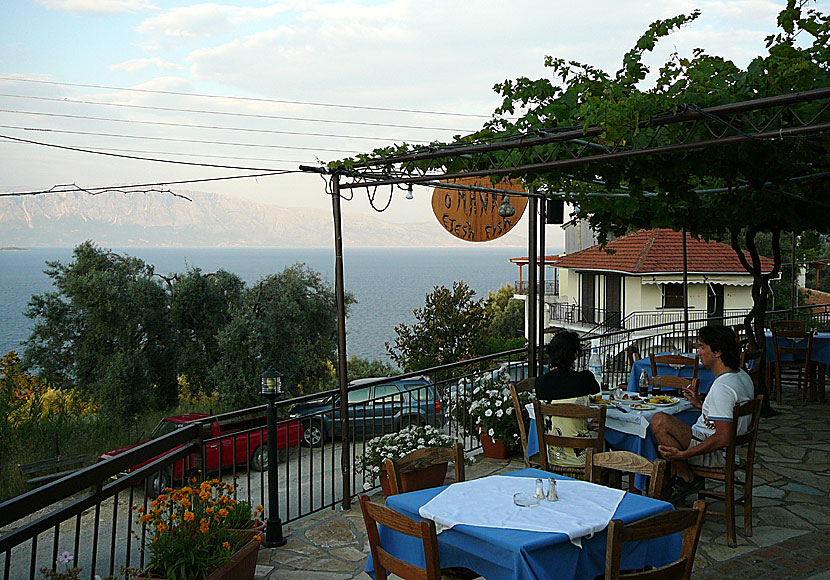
x=643 y=384
x=595 y=365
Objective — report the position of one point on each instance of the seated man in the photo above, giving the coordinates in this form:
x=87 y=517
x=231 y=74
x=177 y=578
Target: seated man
x=565 y=385
x=703 y=443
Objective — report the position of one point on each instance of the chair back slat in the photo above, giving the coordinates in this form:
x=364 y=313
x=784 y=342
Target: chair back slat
x=626 y=462
x=673 y=359
x=421 y=459
x=568 y=411
x=787 y=325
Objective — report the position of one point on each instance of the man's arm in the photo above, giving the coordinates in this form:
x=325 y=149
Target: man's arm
x=712 y=443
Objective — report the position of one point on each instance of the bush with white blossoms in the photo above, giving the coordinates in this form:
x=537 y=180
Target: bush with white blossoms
x=492 y=406
x=395 y=446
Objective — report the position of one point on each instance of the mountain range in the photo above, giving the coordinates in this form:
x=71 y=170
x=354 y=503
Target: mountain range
x=205 y=220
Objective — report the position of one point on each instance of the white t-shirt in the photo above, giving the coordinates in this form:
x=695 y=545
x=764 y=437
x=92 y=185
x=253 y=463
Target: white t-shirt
x=728 y=389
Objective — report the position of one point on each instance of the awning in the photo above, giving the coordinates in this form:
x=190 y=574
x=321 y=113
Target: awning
x=697 y=279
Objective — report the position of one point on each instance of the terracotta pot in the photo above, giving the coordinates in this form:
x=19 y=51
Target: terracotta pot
x=241 y=566
x=432 y=476
x=495 y=450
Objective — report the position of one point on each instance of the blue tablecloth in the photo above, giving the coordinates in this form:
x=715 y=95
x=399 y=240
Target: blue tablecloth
x=505 y=554
x=619 y=441
x=705 y=376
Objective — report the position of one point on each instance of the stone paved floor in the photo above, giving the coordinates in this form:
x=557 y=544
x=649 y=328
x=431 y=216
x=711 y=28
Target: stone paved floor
x=791 y=515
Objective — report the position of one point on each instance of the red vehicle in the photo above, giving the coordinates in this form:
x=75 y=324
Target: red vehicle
x=241 y=442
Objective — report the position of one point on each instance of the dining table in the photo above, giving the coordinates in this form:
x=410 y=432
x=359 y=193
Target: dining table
x=627 y=429
x=705 y=376
x=819 y=355
x=522 y=543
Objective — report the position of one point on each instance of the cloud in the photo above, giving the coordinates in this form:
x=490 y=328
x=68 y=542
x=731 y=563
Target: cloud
x=137 y=64
x=99 y=6
x=199 y=21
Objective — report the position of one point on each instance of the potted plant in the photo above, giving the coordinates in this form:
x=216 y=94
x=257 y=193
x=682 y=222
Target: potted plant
x=395 y=446
x=246 y=517
x=491 y=407
x=191 y=538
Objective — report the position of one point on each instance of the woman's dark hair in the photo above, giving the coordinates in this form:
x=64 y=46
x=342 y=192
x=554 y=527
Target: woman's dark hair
x=563 y=349
x=723 y=340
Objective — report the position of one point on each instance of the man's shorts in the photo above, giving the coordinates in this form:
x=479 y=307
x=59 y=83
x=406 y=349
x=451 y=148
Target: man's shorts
x=713 y=459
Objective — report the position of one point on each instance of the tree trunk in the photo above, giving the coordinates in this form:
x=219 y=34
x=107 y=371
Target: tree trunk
x=754 y=321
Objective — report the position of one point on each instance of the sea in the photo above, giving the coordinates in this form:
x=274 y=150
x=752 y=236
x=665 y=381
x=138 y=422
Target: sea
x=388 y=283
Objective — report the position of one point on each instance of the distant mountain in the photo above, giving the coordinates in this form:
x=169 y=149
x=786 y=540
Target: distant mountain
x=210 y=220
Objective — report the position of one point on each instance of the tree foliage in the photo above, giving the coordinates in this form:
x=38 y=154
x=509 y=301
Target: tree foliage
x=447 y=329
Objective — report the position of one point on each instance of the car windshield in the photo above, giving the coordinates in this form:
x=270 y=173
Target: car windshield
x=163 y=428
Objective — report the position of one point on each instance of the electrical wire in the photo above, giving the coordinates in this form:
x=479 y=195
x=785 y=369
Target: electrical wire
x=197 y=126
x=121 y=156
x=248 y=99
x=176 y=139
x=247 y=115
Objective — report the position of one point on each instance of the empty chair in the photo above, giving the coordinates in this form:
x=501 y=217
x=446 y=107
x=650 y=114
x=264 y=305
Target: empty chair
x=688 y=521
x=421 y=459
x=632 y=353
x=374 y=514
x=614 y=464
x=559 y=428
x=673 y=360
x=726 y=474
x=793 y=352
x=522 y=386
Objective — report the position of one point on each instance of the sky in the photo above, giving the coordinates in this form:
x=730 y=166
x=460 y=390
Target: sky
x=273 y=85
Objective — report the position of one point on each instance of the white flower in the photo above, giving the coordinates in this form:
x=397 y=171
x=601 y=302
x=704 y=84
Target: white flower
x=499 y=413
x=367 y=486
x=491 y=432
x=488 y=413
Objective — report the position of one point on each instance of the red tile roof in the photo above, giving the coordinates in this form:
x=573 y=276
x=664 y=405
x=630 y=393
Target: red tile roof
x=654 y=251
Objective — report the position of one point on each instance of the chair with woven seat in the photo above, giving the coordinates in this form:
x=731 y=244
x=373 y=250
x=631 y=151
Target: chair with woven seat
x=421 y=459
x=672 y=384
x=522 y=386
x=793 y=352
x=688 y=521
x=545 y=415
x=375 y=514
x=673 y=360
x=726 y=474
x=615 y=464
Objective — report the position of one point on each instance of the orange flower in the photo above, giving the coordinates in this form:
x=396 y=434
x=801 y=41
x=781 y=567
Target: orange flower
x=145 y=518
x=174 y=516
x=186 y=502
x=209 y=510
x=161 y=498
x=226 y=545
x=257 y=538
x=204 y=496
x=161 y=527
x=188 y=516
x=223 y=512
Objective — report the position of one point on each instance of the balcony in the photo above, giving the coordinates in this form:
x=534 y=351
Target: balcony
x=551 y=287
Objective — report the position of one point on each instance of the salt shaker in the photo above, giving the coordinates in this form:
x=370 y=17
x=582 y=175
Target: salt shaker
x=552 y=495
x=540 y=493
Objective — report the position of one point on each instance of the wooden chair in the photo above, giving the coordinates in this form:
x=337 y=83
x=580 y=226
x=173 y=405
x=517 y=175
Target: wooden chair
x=423 y=458
x=688 y=521
x=632 y=353
x=375 y=514
x=787 y=325
x=797 y=344
x=571 y=411
x=617 y=463
x=522 y=386
x=727 y=473
x=673 y=359
x=675 y=385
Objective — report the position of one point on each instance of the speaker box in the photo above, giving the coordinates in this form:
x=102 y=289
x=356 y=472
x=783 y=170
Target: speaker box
x=554 y=211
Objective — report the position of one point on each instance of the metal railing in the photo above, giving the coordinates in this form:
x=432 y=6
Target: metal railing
x=89 y=512
x=551 y=287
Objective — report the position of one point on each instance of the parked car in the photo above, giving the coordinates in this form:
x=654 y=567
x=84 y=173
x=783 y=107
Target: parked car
x=241 y=442
x=373 y=410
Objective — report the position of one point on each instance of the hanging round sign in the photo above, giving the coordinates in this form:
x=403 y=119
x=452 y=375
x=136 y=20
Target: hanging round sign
x=473 y=215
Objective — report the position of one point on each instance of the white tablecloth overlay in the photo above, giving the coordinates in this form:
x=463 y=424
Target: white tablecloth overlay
x=583 y=508
x=633 y=422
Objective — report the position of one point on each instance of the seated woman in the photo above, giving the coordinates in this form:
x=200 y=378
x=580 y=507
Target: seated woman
x=565 y=385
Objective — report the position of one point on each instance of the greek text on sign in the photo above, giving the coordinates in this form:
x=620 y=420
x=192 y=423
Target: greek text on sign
x=474 y=215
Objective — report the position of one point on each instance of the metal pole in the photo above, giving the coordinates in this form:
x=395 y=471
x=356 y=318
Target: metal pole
x=794 y=286
x=685 y=295
x=342 y=369
x=531 y=282
x=273 y=528
x=542 y=227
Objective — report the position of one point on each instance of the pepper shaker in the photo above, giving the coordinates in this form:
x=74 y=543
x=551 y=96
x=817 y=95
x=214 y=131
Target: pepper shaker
x=540 y=492
x=552 y=495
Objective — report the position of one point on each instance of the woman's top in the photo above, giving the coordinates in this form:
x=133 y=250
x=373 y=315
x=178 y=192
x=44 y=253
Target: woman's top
x=566 y=386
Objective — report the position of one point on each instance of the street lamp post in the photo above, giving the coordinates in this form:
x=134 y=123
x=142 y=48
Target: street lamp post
x=271 y=387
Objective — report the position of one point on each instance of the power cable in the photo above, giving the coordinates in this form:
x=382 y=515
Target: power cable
x=175 y=139
x=238 y=158
x=121 y=156
x=197 y=126
x=249 y=99
x=249 y=115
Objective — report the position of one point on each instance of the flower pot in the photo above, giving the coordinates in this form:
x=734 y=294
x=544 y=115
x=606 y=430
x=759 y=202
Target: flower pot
x=432 y=476
x=241 y=566
x=497 y=449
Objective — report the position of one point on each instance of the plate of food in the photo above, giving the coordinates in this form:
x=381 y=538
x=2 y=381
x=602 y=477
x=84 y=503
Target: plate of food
x=662 y=401
x=597 y=400
x=641 y=406
x=629 y=398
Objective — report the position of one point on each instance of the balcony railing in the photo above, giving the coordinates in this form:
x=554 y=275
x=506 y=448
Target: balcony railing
x=551 y=287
